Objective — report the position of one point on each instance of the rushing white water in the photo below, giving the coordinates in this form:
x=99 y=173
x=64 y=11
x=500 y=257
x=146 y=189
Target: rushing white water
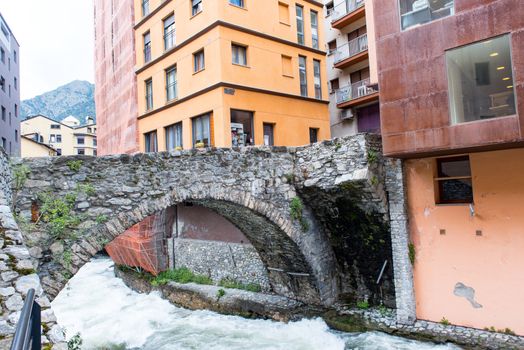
x=109 y=315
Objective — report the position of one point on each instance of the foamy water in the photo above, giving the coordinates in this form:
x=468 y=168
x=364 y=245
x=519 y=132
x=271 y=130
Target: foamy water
x=109 y=315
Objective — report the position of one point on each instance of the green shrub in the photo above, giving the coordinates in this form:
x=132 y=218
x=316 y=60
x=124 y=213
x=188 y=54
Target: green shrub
x=363 y=304
x=231 y=283
x=296 y=209
x=100 y=219
x=58 y=214
x=412 y=253
x=181 y=275
x=20 y=175
x=220 y=293
x=444 y=321
x=74 y=165
x=372 y=156
x=86 y=188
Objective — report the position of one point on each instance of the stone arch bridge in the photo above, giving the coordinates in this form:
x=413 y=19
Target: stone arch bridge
x=333 y=246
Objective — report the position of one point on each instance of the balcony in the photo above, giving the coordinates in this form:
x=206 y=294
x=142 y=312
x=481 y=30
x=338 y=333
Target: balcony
x=347 y=12
x=356 y=94
x=353 y=52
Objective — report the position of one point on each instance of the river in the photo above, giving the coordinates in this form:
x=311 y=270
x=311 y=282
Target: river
x=109 y=315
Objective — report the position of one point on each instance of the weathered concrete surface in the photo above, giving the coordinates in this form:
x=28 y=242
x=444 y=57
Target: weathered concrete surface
x=251 y=187
x=17 y=272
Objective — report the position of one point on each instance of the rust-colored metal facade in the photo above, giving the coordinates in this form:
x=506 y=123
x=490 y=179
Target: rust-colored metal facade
x=413 y=79
x=115 y=81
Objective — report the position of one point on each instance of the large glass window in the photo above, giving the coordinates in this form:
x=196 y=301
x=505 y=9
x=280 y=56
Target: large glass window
x=300 y=24
x=196 y=6
x=303 y=75
x=317 y=81
x=151 y=144
x=201 y=131
x=174 y=136
x=171 y=84
x=239 y=54
x=314 y=29
x=242 y=128
x=149 y=94
x=415 y=12
x=147 y=47
x=269 y=134
x=454 y=183
x=169 y=32
x=480 y=81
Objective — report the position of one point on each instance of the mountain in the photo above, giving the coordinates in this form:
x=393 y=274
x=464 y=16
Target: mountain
x=76 y=99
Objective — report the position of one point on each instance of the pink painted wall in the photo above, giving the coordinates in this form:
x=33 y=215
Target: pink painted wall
x=492 y=264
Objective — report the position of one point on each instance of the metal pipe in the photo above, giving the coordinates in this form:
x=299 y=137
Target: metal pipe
x=382 y=271
x=28 y=327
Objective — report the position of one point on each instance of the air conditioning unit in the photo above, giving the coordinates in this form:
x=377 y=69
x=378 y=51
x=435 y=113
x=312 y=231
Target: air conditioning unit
x=346 y=114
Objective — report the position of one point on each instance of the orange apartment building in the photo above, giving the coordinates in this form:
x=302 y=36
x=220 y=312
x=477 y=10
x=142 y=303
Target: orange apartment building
x=452 y=106
x=230 y=73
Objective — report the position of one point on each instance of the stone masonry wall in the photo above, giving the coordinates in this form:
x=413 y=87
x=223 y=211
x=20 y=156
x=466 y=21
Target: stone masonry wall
x=219 y=260
x=18 y=274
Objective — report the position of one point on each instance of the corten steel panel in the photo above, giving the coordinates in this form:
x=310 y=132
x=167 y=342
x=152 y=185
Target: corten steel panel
x=115 y=82
x=413 y=78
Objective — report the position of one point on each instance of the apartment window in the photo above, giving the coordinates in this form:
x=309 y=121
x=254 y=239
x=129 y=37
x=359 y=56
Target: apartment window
x=89 y=130
x=239 y=3
x=81 y=151
x=303 y=75
x=9 y=90
x=317 y=80
x=95 y=143
x=454 y=181
x=2 y=83
x=55 y=126
x=58 y=138
x=198 y=61
x=329 y=8
x=414 y=12
x=314 y=29
x=300 y=24
x=287 y=66
x=16 y=110
x=196 y=7
x=313 y=135
x=283 y=13
x=58 y=151
x=145 y=8
x=149 y=94
x=171 y=88
x=16 y=135
x=15 y=56
x=169 y=32
x=95 y=153
x=174 y=136
x=332 y=47
x=147 y=47
x=2 y=55
x=151 y=144
x=4 y=143
x=269 y=134
x=239 y=54
x=480 y=80
x=201 y=130
x=52 y=138
x=10 y=119
x=242 y=128
x=16 y=83
x=4 y=113
x=335 y=85
x=80 y=141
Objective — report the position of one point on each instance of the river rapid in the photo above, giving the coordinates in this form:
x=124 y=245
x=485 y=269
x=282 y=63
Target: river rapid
x=109 y=315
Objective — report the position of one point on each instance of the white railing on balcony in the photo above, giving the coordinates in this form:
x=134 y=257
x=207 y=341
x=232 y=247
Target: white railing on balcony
x=352 y=48
x=354 y=91
x=345 y=7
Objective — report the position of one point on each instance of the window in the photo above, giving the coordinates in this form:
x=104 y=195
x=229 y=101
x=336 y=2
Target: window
x=145 y=8
x=4 y=113
x=335 y=85
x=329 y=8
x=332 y=47
x=198 y=61
x=313 y=135
x=300 y=24
x=174 y=136
x=287 y=66
x=52 y=138
x=169 y=32
x=151 y=144
x=269 y=138
x=171 y=88
x=95 y=143
x=2 y=83
x=80 y=141
x=4 y=143
x=16 y=135
x=14 y=56
x=303 y=75
x=481 y=81
x=58 y=138
x=239 y=54
x=55 y=126
x=283 y=13
x=201 y=130
x=239 y=3
x=81 y=151
x=95 y=153
x=16 y=83
x=2 y=55
x=314 y=29
x=147 y=47
x=16 y=110
x=242 y=128
x=316 y=80
x=149 y=94
x=58 y=151
x=454 y=182
x=414 y=12
x=196 y=7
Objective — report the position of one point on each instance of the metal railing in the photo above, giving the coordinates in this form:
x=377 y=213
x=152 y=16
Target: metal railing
x=27 y=334
x=345 y=7
x=352 y=48
x=169 y=39
x=354 y=91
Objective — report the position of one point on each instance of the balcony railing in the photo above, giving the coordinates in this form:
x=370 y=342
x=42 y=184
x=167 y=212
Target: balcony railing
x=354 y=91
x=352 y=48
x=345 y=7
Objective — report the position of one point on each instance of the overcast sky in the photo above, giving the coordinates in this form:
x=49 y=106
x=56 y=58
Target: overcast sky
x=56 y=42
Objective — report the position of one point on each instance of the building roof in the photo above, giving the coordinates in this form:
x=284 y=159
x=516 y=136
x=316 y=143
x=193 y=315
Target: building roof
x=9 y=28
x=38 y=143
x=57 y=122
